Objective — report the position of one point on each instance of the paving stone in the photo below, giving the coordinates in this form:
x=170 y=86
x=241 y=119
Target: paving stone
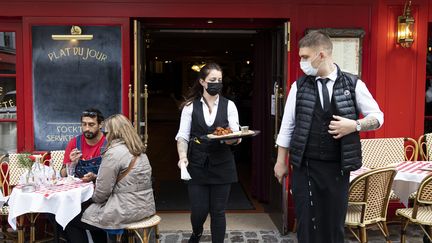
x=269 y=238
x=252 y=241
x=249 y=234
x=237 y=238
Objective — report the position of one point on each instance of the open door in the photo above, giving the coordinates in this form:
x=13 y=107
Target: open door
x=278 y=200
x=138 y=93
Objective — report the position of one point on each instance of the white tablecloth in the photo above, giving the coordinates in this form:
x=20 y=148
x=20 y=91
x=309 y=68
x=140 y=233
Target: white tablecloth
x=64 y=201
x=408 y=178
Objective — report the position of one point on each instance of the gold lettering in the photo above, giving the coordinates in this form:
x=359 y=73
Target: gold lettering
x=67 y=50
x=86 y=55
x=55 y=56
x=50 y=56
x=78 y=51
x=62 y=53
x=90 y=53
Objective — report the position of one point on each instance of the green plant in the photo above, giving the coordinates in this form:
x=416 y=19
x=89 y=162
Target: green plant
x=24 y=160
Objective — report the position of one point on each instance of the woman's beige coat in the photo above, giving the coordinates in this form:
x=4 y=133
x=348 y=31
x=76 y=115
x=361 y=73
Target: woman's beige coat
x=117 y=204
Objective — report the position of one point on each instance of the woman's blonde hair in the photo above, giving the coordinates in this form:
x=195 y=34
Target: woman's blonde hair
x=119 y=127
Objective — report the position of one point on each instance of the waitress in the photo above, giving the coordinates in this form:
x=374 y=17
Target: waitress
x=210 y=163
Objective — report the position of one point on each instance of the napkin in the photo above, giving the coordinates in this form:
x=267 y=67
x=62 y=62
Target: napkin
x=184 y=174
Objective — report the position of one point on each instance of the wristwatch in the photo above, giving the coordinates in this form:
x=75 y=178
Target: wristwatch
x=358 y=126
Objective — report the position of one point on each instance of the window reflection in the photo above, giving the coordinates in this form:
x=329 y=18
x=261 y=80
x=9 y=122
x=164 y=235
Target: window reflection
x=7 y=53
x=8 y=137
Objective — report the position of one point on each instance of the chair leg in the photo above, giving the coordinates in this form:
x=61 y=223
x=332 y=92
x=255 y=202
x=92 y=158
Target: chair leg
x=131 y=235
x=386 y=231
x=363 y=236
x=145 y=236
x=404 y=225
x=20 y=222
x=157 y=233
x=118 y=238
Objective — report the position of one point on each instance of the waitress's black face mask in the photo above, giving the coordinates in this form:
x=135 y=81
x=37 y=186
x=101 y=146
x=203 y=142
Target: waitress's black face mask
x=214 y=88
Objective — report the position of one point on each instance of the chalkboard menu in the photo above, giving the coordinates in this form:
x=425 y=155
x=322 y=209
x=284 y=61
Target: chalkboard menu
x=71 y=76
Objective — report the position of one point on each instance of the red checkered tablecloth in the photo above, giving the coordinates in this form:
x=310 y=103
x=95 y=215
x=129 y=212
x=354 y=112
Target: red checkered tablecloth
x=47 y=191
x=358 y=172
x=417 y=167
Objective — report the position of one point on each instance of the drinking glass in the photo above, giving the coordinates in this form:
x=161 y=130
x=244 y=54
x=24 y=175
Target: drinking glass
x=70 y=170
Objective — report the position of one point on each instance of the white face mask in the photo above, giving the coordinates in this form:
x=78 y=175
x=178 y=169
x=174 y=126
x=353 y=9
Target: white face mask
x=307 y=68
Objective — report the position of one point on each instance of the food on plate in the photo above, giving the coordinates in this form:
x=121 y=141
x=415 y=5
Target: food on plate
x=220 y=131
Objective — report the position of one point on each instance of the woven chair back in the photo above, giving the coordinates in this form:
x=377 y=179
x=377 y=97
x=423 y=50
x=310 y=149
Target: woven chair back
x=424 y=194
x=15 y=171
x=373 y=189
x=425 y=146
x=381 y=152
x=57 y=157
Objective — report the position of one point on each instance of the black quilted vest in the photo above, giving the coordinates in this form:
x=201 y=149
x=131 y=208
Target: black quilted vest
x=344 y=105
x=207 y=153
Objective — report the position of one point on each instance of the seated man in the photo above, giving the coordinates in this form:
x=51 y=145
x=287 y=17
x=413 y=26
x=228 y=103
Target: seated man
x=86 y=148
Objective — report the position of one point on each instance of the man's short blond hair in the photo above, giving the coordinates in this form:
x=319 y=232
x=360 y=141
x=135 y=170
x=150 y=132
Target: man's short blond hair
x=317 y=39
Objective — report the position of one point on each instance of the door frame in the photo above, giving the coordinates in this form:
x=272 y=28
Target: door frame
x=190 y=23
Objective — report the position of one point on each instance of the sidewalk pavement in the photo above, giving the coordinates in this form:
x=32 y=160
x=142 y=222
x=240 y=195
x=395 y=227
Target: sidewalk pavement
x=414 y=233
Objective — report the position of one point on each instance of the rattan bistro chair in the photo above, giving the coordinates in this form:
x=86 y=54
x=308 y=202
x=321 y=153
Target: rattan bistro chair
x=421 y=213
x=144 y=226
x=369 y=195
x=381 y=152
x=425 y=146
x=56 y=161
x=10 y=176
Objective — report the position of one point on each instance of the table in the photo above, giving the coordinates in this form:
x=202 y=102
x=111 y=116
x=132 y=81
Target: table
x=408 y=178
x=64 y=201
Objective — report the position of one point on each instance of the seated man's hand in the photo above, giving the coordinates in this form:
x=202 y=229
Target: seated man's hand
x=89 y=177
x=75 y=155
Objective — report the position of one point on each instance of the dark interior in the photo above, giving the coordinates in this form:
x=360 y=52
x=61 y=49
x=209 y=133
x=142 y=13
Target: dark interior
x=169 y=57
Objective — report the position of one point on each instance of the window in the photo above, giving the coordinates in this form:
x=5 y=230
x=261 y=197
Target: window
x=8 y=119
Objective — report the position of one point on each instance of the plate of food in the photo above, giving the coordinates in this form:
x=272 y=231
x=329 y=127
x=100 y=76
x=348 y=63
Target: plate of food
x=226 y=133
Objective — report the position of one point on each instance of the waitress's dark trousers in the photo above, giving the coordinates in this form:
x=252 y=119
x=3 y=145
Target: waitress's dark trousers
x=320 y=193
x=205 y=199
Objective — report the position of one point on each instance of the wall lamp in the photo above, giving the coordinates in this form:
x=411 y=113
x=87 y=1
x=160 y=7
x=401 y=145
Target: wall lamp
x=405 y=35
x=74 y=36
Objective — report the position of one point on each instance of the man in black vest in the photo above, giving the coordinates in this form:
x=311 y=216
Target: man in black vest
x=320 y=135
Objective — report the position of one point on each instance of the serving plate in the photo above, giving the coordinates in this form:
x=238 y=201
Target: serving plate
x=234 y=135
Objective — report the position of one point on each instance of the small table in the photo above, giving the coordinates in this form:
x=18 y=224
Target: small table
x=64 y=201
x=409 y=176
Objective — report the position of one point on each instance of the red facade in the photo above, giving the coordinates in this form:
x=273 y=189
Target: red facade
x=395 y=75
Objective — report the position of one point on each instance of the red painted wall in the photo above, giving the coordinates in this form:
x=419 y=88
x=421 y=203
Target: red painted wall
x=395 y=75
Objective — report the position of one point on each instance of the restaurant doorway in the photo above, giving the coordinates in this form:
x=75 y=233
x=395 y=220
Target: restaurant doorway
x=171 y=52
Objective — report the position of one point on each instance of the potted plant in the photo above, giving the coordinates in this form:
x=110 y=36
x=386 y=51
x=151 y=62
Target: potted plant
x=26 y=161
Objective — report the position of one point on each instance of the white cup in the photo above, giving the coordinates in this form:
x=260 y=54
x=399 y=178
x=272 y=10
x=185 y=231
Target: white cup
x=244 y=129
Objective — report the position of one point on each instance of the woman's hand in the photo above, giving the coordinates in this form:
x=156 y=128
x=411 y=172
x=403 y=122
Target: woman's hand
x=184 y=161
x=89 y=177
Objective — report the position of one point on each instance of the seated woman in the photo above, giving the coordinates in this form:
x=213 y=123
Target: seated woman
x=123 y=192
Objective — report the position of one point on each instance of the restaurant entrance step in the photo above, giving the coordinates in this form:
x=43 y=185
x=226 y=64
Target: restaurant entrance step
x=173 y=196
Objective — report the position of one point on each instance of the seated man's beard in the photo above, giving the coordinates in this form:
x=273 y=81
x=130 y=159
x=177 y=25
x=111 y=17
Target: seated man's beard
x=90 y=135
